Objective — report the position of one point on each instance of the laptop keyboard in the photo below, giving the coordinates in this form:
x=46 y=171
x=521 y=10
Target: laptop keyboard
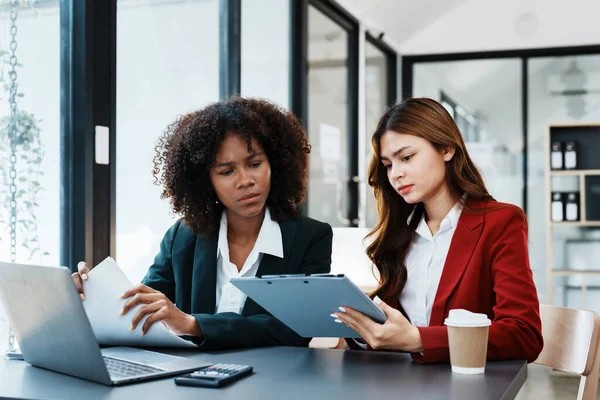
x=125 y=369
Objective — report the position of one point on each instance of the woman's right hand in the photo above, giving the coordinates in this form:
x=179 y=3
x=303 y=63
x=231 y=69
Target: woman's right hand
x=80 y=276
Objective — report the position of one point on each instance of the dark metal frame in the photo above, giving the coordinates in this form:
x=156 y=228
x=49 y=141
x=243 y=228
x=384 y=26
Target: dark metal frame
x=230 y=48
x=88 y=99
x=408 y=63
x=299 y=72
x=299 y=59
x=391 y=67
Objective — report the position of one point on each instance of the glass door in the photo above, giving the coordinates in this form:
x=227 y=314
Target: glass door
x=332 y=128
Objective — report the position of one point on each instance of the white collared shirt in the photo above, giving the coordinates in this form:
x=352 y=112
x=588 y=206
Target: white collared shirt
x=229 y=298
x=425 y=263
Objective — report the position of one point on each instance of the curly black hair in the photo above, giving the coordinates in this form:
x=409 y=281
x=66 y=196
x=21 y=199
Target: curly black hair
x=187 y=150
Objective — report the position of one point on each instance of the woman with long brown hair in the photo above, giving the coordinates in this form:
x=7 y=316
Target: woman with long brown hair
x=442 y=242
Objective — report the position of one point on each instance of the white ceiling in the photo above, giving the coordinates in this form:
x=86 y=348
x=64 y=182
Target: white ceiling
x=447 y=26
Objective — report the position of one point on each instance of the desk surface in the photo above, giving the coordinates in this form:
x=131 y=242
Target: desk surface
x=287 y=373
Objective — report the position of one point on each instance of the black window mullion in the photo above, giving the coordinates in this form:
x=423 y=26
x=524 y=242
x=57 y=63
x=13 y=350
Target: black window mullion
x=407 y=77
x=88 y=99
x=392 y=81
x=230 y=48
x=299 y=66
x=353 y=181
x=336 y=13
x=299 y=59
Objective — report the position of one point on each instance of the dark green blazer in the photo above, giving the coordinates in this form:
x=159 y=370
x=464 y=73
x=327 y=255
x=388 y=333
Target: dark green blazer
x=185 y=270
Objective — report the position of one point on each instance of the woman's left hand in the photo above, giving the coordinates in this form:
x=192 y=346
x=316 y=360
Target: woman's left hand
x=160 y=308
x=395 y=334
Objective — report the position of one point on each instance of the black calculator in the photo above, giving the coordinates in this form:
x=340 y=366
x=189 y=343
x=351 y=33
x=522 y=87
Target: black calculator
x=214 y=376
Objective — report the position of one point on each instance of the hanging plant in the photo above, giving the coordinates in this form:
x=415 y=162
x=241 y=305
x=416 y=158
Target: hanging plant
x=30 y=153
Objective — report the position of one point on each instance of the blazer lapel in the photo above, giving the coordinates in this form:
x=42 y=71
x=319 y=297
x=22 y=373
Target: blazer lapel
x=464 y=241
x=204 y=276
x=272 y=265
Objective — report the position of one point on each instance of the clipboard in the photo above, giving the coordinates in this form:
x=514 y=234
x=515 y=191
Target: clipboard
x=305 y=302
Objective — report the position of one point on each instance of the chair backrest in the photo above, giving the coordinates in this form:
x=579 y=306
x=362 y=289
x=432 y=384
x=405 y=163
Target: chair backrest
x=571 y=344
x=327 y=343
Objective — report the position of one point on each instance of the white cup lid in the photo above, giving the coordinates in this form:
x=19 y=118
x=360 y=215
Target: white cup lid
x=465 y=318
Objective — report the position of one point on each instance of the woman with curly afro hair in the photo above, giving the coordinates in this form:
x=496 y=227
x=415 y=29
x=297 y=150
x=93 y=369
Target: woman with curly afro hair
x=236 y=173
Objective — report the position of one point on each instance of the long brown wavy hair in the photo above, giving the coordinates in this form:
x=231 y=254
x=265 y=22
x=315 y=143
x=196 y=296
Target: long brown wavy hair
x=392 y=236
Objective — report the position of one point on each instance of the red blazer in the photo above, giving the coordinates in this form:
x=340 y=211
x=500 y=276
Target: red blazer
x=487 y=271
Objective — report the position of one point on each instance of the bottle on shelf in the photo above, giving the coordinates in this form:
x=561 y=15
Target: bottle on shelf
x=572 y=206
x=556 y=156
x=557 y=210
x=570 y=155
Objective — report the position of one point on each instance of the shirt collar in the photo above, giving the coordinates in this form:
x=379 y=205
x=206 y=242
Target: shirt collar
x=449 y=222
x=454 y=215
x=269 y=240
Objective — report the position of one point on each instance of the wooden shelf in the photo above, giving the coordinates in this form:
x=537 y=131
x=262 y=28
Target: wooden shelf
x=575 y=272
x=574 y=124
x=575 y=223
x=575 y=172
x=587 y=137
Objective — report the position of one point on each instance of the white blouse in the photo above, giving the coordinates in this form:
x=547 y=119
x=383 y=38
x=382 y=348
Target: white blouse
x=425 y=263
x=229 y=298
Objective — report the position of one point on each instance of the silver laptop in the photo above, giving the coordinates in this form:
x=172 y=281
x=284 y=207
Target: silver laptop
x=53 y=331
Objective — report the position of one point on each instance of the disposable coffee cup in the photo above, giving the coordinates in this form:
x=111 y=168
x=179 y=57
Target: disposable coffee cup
x=468 y=338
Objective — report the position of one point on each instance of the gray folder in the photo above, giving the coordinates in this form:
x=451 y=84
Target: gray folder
x=305 y=303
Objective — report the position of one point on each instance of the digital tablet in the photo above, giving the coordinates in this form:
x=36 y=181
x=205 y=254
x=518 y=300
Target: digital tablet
x=305 y=302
